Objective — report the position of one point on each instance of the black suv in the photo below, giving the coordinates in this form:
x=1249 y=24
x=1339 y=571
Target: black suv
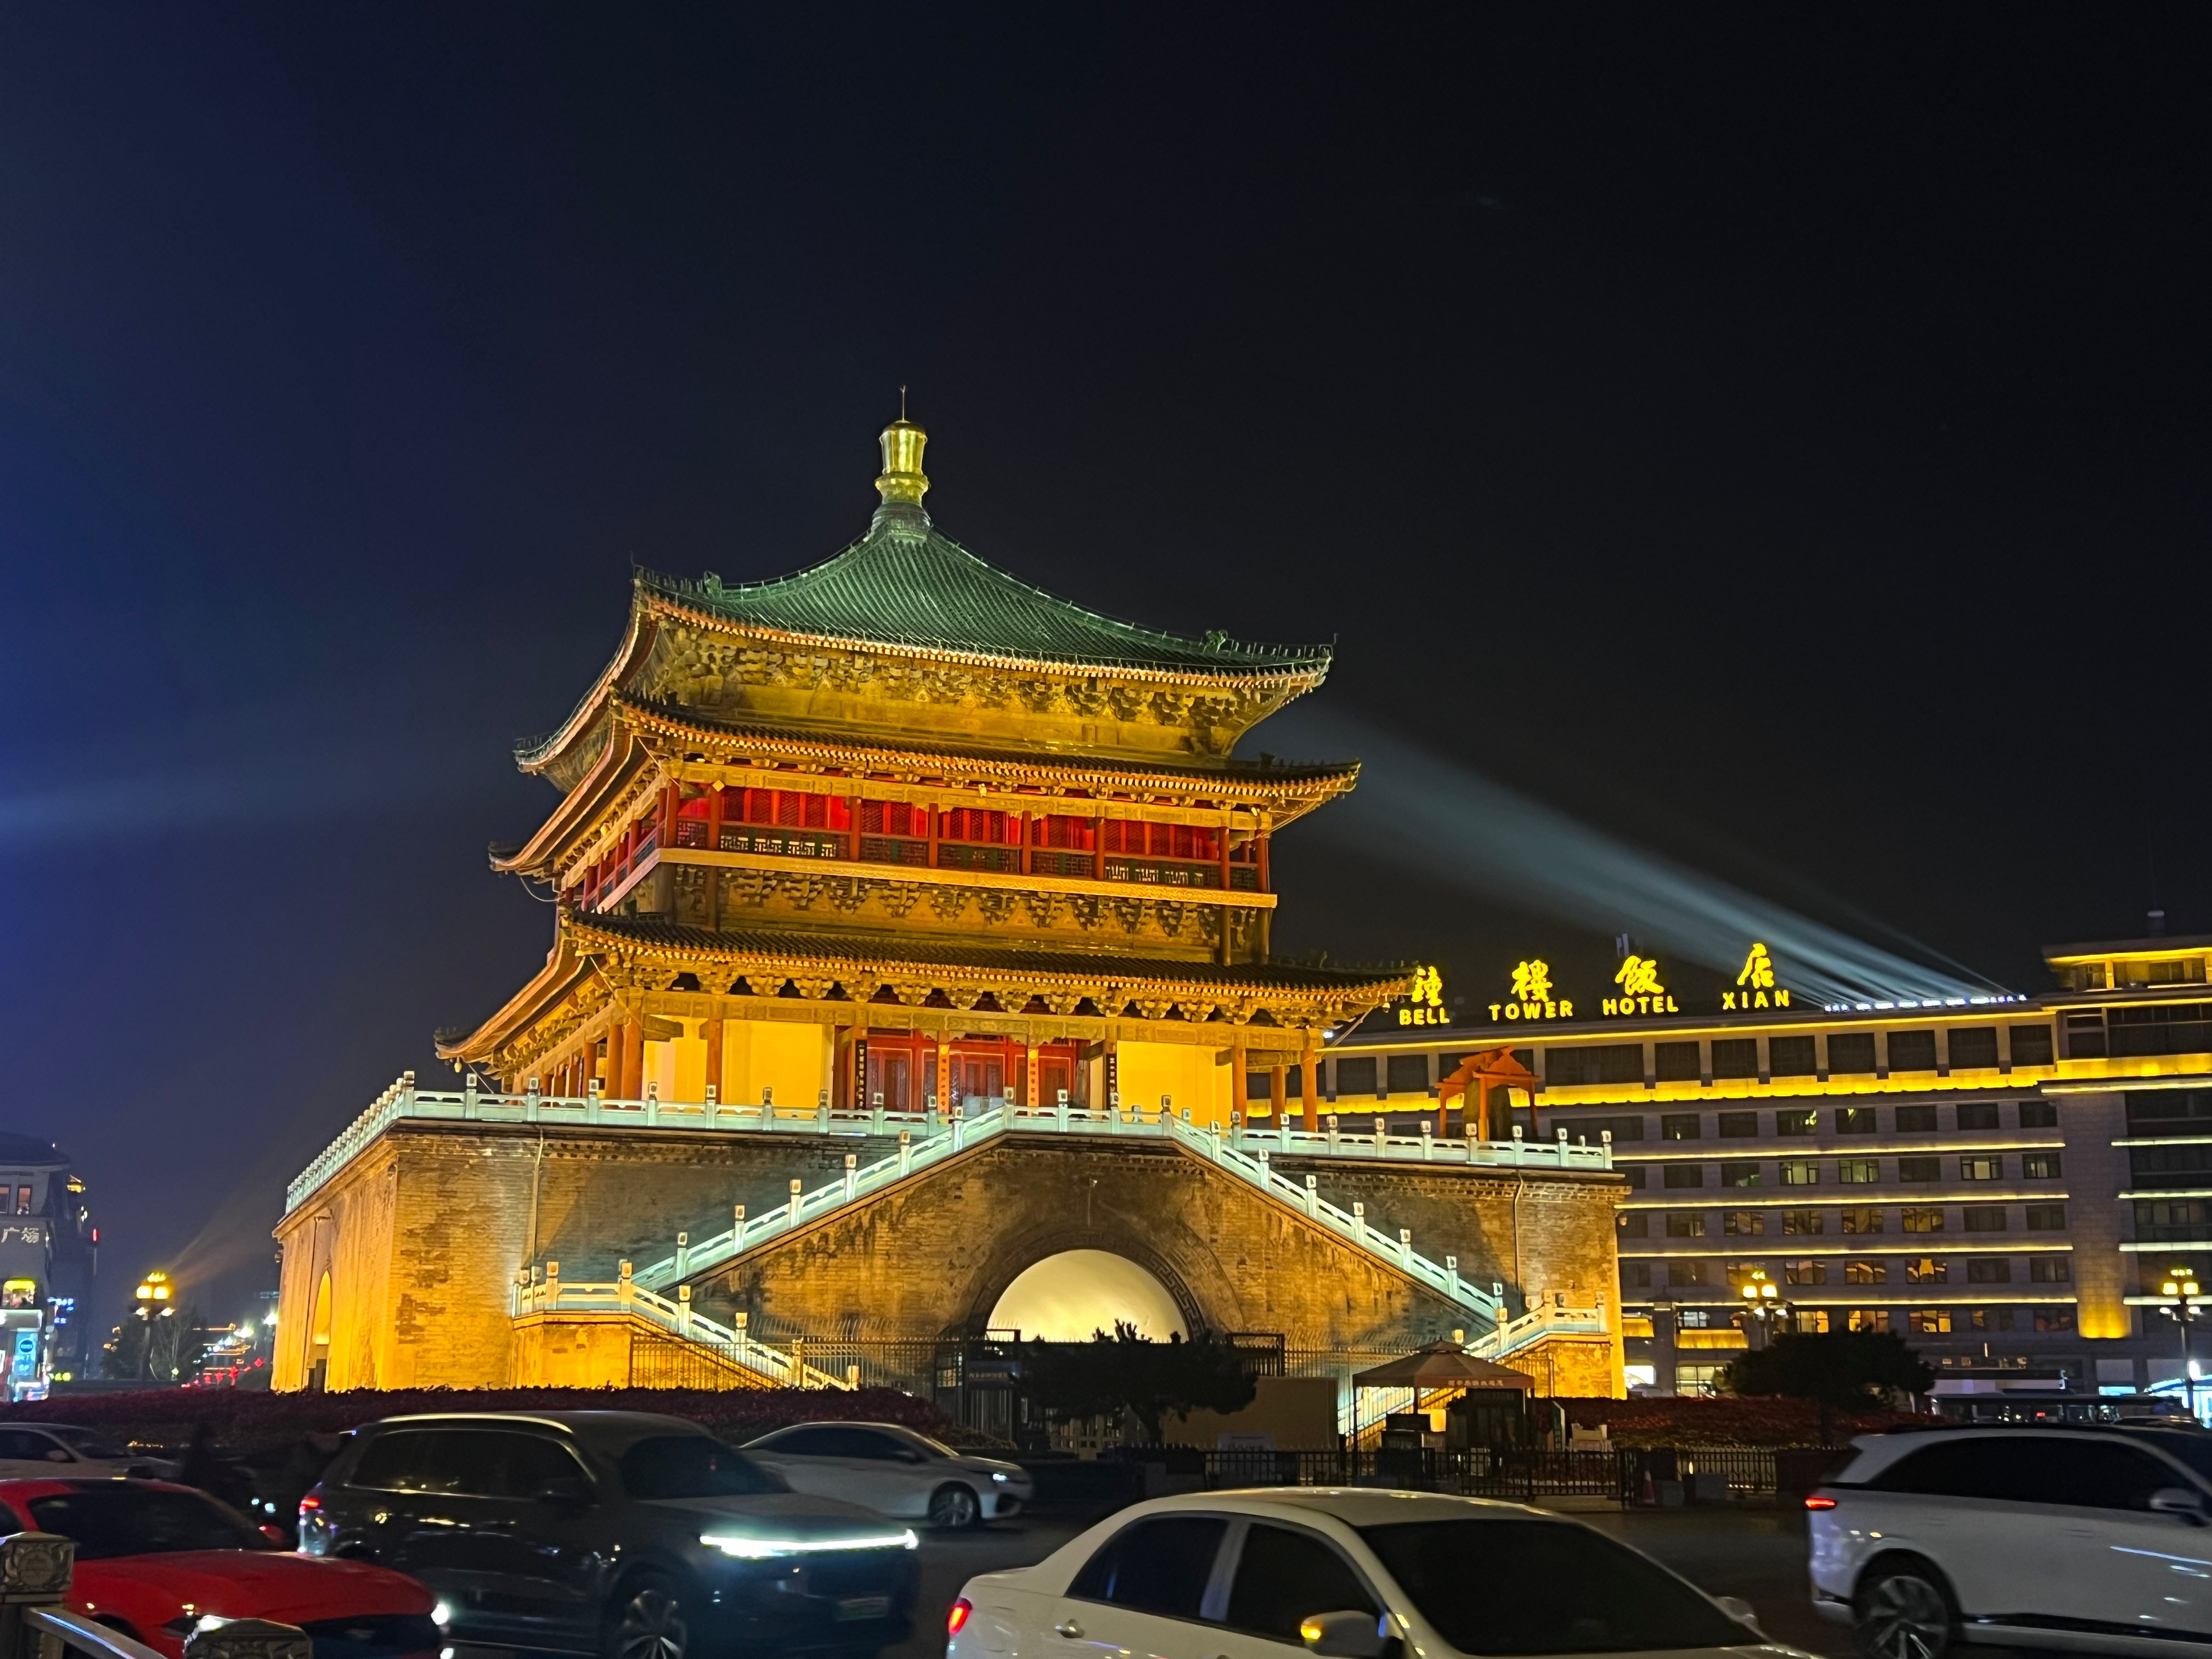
x=616 y=1533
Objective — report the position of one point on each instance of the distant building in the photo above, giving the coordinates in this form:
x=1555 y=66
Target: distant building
x=48 y=1253
x=2009 y=1183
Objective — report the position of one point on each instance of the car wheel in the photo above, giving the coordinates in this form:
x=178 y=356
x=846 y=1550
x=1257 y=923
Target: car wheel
x=1904 y=1611
x=645 y=1621
x=953 y=1506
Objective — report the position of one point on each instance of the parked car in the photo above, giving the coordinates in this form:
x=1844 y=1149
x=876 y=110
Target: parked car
x=895 y=1471
x=153 y=1559
x=1359 y=1574
x=2030 y=1537
x=31 y=1451
x=620 y=1532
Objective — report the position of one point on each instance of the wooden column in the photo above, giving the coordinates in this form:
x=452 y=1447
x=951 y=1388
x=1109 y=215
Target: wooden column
x=1238 y=1104
x=610 y=1076
x=1278 y=1090
x=1222 y=850
x=1098 y=848
x=714 y=818
x=1029 y=1071
x=1309 y=1086
x=1264 y=887
x=669 y=802
x=1026 y=832
x=933 y=825
x=633 y=1077
x=714 y=1056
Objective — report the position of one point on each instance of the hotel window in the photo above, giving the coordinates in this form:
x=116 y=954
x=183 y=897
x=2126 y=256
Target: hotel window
x=2054 y=1318
x=1636 y=1174
x=1790 y=1056
x=1988 y=1270
x=1855 y=1120
x=2187 y=970
x=1991 y=1319
x=1976 y=1047
x=1616 y=1062
x=1636 y=1275
x=1684 y=1174
x=1740 y=1273
x=1800 y=1223
x=1916 y=1220
x=1798 y=1123
x=1864 y=1270
x=1620 y=1128
x=1912 y=1051
x=2049 y=1270
x=1744 y=1224
x=2031 y=1045
x=1978 y=1115
x=1693 y=1319
x=2085 y=1037
x=1356 y=1077
x=22 y=1201
x=2039 y=1166
x=1686 y=1272
x=1850 y=1053
x=2170 y=1219
x=1982 y=1166
x=1679 y=1126
x=1741 y=1173
x=1686 y=1224
x=1858 y=1219
x=1916 y=1119
x=1928 y=1270
x=1735 y=1056
x=1869 y=1319
x=1920 y=1168
x=1409 y=1074
x=1801 y=1172
x=1635 y=1223
x=1858 y=1171
x=1809 y=1321
x=1675 y=1062
x=1985 y=1218
x=1738 y=1125
x=1931 y=1321
x=1805 y=1272
x=2038 y=1115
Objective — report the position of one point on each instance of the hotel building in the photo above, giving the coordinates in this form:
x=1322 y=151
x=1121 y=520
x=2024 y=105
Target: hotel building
x=2009 y=1183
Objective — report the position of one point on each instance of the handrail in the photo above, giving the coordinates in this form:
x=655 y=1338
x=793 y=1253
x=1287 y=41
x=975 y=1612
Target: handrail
x=404 y=1101
x=74 y=1631
x=678 y=1318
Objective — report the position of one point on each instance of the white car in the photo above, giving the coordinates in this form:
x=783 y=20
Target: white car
x=1363 y=1574
x=40 y=1451
x=894 y=1471
x=2091 y=1539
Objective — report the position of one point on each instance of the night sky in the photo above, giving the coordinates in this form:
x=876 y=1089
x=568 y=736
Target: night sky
x=1777 y=437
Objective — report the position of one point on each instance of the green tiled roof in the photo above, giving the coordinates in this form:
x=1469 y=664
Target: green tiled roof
x=906 y=583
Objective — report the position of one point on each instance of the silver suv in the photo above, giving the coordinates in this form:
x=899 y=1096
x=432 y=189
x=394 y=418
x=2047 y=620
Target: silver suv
x=2096 y=1540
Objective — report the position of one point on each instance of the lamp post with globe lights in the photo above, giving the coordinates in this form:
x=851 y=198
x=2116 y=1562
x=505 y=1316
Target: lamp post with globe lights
x=1764 y=1306
x=2184 y=1310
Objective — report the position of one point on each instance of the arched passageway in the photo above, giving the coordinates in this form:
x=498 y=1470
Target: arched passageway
x=1065 y=1297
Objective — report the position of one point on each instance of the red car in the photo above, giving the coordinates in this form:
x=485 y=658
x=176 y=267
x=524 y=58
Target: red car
x=153 y=1559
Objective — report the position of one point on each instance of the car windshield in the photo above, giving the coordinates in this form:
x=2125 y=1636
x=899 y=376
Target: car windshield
x=922 y=1444
x=130 y=1520
x=1471 y=1579
x=692 y=1466
x=87 y=1442
x=2186 y=1446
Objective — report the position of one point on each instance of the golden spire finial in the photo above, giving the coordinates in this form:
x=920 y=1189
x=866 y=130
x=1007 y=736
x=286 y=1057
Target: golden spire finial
x=902 y=479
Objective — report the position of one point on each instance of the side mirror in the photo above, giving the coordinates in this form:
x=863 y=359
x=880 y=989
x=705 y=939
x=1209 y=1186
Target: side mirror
x=567 y=1489
x=908 y=1455
x=57 y=1456
x=276 y=1536
x=2178 y=1500
x=1344 y=1635
x=1738 y=1609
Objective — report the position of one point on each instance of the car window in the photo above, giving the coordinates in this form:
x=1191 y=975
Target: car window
x=1284 y=1577
x=874 y=1443
x=1160 y=1565
x=2017 y=1469
x=109 y=1520
x=89 y=1443
x=1544 y=1587
x=450 y=1462
x=800 y=1442
x=693 y=1466
x=532 y=1464
x=24 y=1444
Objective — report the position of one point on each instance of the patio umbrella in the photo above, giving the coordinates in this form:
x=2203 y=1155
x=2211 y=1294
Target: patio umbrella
x=1443 y=1365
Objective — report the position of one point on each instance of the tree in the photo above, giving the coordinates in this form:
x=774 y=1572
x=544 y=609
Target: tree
x=1837 y=1369
x=1127 y=1372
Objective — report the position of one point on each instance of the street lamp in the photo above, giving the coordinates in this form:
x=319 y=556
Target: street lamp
x=1762 y=1301
x=2183 y=1311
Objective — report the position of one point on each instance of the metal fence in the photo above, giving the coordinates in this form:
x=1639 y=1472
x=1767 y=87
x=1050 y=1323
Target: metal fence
x=1662 y=1476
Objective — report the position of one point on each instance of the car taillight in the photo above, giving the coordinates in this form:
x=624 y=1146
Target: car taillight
x=309 y=1505
x=1817 y=1501
x=958 y=1616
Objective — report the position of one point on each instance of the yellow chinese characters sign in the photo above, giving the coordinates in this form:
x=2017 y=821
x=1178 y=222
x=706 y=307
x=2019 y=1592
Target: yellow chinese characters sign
x=1641 y=993
x=1755 y=986
x=1425 y=1002
x=1532 y=995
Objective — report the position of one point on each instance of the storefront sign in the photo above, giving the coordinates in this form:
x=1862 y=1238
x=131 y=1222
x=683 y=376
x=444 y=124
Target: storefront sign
x=1641 y=993
x=1756 y=986
x=1425 y=1003
x=1532 y=995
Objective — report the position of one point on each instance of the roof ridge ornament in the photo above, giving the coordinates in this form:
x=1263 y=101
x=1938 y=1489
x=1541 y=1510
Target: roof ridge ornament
x=902 y=483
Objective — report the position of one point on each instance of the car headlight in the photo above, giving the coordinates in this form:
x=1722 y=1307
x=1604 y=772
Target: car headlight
x=441 y=1615
x=1000 y=1476
x=744 y=1548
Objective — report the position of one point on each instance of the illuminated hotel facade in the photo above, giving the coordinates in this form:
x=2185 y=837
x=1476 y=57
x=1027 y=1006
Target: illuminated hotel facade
x=2009 y=1184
